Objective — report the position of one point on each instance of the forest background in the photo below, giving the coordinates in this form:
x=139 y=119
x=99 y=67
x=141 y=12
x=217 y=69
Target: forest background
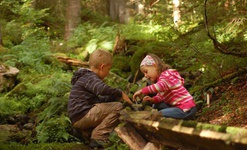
x=205 y=41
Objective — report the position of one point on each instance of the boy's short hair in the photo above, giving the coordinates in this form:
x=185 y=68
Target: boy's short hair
x=99 y=57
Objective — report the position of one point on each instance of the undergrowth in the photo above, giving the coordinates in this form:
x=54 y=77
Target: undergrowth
x=43 y=84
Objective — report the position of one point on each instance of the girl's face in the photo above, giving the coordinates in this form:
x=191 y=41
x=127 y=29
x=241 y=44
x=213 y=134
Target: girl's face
x=150 y=72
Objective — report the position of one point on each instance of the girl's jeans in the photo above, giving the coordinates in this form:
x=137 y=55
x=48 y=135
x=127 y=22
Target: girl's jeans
x=174 y=112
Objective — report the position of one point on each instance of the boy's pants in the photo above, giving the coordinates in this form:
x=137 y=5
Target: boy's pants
x=103 y=118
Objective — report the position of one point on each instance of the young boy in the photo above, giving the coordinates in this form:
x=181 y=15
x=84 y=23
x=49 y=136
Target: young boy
x=91 y=102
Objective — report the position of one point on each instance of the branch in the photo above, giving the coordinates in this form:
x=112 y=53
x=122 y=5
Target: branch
x=217 y=82
x=72 y=62
x=217 y=45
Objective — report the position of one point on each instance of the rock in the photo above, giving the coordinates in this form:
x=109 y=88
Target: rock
x=28 y=126
x=7 y=77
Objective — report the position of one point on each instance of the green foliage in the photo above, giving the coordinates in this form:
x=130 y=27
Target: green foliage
x=91 y=37
x=54 y=129
x=159 y=48
x=116 y=81
x=43 y=87
x=23 y=23
x=140 y=32
x=117 y=143
x=36 y=92
x=29 y=54
x=12 y=34
x=121 y=65
x=10 y=107
x=43 y=146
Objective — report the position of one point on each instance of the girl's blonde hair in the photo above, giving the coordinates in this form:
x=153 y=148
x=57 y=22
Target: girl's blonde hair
x=162 y=66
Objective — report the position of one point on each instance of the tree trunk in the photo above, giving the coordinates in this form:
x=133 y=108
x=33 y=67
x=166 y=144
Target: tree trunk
x=1 y=40
x=119 y=11
x=176 y=13
x=73 y=17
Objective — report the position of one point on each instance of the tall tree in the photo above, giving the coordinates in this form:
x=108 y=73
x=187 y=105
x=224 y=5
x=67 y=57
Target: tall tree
x=1 y=40
x=119 y=10
x=73 y=17
x=176 y=13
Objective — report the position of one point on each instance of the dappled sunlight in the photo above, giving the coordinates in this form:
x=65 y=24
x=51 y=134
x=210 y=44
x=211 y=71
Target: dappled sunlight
x=179 y=128
x=213 y=135
x=156 y=125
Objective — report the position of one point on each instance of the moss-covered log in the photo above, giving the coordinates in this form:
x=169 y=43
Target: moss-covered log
x=185 y=134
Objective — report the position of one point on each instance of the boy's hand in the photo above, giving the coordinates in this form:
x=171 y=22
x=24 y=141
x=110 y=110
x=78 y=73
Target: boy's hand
x=126 y=98
x=137 y=94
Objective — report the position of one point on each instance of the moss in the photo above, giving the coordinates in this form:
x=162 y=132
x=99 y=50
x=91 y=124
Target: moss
x=168 y=121
x=116 y=81
x=189 y=124
x=212 y=127
x=4 y=136
x=43 y=146
x=17 y=89
x=121 y=65
x=158 y=48
x=134 y=88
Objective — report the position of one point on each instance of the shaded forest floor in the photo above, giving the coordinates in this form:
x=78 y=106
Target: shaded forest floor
x=228 y=105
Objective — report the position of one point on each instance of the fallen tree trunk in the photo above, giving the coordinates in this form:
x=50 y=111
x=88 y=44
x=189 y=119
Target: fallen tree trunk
x=217 y=82
x=133 y=139
x=189 y=135
x=72 y=62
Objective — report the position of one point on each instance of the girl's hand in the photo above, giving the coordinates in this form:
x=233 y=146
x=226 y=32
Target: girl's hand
x=126 y=98
x=148 y=98
x=137 y=94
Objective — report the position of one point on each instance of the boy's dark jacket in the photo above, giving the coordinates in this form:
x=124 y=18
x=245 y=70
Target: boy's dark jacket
x=87 y=90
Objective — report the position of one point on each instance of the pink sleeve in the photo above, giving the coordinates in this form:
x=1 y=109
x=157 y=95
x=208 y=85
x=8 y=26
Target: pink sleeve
x=155 y=88
x=156 y=98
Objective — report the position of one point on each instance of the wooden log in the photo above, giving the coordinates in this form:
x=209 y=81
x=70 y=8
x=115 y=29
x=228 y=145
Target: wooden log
x=190 y=135
x=132 y=138
x=72 y=62
x=151 y=146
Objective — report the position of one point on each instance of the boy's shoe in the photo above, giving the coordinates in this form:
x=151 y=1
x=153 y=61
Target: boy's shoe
x=98 y=143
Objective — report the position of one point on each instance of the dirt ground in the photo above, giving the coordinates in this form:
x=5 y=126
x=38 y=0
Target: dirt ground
x=228 y=105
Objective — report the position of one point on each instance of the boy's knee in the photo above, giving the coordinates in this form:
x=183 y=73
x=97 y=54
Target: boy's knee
x=119 y=106
x=116 y=106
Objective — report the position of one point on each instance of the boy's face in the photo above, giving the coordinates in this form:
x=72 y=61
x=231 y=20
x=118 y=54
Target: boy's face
x=104 y=71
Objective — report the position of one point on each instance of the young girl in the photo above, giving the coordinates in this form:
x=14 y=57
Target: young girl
x=171 y=99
